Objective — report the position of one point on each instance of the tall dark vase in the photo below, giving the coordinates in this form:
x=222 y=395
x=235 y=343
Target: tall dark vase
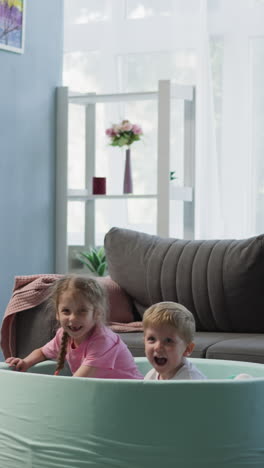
x=128 y=184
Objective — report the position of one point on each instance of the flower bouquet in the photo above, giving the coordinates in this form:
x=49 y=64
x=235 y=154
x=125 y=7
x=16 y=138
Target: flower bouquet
x=124 y=134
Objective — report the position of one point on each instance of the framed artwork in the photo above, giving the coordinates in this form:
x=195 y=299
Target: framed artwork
x=12 y=25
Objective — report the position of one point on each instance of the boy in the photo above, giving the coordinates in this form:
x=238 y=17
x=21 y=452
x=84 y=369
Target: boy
x=168 y=335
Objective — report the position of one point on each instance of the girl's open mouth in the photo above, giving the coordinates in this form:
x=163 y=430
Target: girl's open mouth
x=160 y=361
x=75 y=329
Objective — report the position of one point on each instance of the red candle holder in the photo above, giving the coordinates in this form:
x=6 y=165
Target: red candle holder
x=99 y=185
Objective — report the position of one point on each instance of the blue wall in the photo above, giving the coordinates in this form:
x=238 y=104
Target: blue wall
x=27 y=146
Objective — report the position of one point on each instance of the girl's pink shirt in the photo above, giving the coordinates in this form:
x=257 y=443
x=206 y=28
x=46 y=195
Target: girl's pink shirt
x=103 y=350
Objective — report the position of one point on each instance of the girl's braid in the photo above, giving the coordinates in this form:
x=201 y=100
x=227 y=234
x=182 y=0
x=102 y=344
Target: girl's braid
x=62 y=352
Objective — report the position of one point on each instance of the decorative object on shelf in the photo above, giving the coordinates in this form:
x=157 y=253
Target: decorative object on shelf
x=172 y=175
x=99 y=185
x=124 y=134
x=128 y=184
x=94 y=259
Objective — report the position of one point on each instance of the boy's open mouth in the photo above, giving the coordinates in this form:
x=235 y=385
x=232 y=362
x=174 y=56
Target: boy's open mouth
x=160 y=361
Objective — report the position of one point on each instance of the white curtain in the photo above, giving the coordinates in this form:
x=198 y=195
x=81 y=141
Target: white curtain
x=216 y=45
x=240 y=27
x=209 y=217
x=230 y=142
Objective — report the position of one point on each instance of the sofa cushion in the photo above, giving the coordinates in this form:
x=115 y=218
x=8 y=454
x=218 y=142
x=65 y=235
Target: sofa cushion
x=220 y=281
x=244 y=347
x=204 y=340
x=120 y=304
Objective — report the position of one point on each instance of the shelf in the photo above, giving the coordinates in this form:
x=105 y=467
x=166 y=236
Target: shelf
x=176 y=193
x=166 y=190
x=83 y=195
x=177 y=92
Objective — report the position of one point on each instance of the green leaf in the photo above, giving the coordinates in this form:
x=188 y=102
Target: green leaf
x=101 y=269
x=83 y=257
x=95 y=260
x=172 y=175
x=88 y=264
x=101 y=254
x=122 y=141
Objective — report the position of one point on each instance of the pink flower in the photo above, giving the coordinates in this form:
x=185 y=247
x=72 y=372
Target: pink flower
x=109 y=132
x=126 y=126
x=115 y=130
x=136 y=129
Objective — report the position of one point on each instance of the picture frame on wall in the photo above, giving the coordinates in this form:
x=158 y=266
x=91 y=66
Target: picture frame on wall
x=12 y=25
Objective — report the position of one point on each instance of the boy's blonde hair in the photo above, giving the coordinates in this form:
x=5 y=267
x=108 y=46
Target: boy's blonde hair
x=174 y=314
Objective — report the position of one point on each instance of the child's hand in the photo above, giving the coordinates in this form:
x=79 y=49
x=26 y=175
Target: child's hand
x=19 y=364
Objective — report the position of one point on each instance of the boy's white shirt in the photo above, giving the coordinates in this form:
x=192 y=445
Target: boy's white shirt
x=187 y=372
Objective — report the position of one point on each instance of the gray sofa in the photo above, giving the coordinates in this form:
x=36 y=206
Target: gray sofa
x=220 y=281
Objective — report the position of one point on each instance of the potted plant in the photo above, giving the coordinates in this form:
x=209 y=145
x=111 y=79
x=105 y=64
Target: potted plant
x=94 y=259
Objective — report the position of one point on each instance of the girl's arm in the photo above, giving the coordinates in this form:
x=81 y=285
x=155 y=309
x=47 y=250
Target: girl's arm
x=23 y=364
x=85 y=371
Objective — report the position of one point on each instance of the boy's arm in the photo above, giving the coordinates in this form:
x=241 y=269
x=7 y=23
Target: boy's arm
x=24 y=364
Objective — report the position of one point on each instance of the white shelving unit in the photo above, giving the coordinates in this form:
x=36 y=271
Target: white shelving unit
x=165 y=190
x=176 y=193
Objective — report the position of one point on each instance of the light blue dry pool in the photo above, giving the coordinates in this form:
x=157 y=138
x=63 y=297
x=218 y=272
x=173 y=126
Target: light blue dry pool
x=64 y=422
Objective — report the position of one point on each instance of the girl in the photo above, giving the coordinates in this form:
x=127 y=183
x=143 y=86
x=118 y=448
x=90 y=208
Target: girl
x=91 y=349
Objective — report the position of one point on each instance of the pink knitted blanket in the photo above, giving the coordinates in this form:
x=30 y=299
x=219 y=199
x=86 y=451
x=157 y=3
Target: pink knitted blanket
x=28 y=292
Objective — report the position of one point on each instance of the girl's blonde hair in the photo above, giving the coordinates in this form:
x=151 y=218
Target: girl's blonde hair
x=174 y=314
x=91 y=290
